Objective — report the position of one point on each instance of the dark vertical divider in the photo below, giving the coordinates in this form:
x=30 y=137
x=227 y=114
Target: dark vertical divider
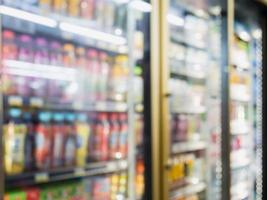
x=225 y=142
x=264 y=105
x=147 y=111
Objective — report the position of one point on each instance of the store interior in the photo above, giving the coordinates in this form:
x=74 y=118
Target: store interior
x=133 y=99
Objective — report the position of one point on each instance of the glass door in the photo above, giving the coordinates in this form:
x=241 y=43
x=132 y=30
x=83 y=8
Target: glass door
x=67 y=115
x=190 y=68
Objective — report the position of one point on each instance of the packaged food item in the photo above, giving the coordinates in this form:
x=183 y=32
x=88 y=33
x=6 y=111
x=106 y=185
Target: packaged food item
x=69 y=59
x=55 y=53
x=70 y=142
x=25 y=48
x=58 y=136
x=33 y=194
x=87 y=8
x=29 y=142
x=101 y=188
x=10 y=49
x=59 y=6
x=114 y=136
x=43 y=141
x=102 y=85
x=123 y=141
x=14 y=136
x=73 y=7
x=17 y=195
x=41 y=51
x=83 y=133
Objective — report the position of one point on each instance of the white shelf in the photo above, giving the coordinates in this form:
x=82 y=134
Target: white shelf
x=192 y=110
x=68 y=28
x=188 y=190
x=182 y=147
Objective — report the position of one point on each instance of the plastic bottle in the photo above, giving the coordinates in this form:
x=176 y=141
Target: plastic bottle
x=123 y=143
x=87 y=8
x=57 y=135
x=29 y=142
x=69 y=59
x=41 y=51
x=10 y=49
x=73 y=7
x=14 y=136
x=55 y=53
x=93 y=67
x=104 y=76
x=104 y=131
x=114 y=136
x=70 y=141
x=83 y=133
x=59 y=6
x=25 y=48
x=43 y=141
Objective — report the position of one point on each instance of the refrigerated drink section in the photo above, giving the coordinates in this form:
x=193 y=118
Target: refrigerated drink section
x=192 y=75
x=65 y=77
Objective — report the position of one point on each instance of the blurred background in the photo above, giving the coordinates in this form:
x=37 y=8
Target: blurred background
x=132 y=99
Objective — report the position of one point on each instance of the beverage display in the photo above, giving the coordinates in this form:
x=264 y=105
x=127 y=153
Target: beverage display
x=191 y=102
x=65 y=95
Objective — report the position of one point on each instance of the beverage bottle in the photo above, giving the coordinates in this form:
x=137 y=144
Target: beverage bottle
x=99 y=13
x=70 y=141
x=93 y=140
x=59 y=6
x=14 y=136
x=29 y=142
x=10 y=49
x=41 y=51
x=45 y=5
x=81 y=63
x=109 y=14
x=73 y=7
x=114 y=136
x=43 y=141
x=69 y=59
x=55 y=53
x=57 y=135
x=93 y=68
x=83 y=133
x=182 y=128
x=123 y=143
x=25 y=48
x=103 y=79
x=87 y=8
x=104 y=131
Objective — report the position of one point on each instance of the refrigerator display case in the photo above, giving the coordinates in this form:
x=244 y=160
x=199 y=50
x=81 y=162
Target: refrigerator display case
x=245 y=100
x=190 y=99
x=67 y=97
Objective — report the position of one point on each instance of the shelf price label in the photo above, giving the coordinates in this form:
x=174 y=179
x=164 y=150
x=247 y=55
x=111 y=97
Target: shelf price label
x=15 y=101
x=36 y=102
x=41 y=177
x=79 y=172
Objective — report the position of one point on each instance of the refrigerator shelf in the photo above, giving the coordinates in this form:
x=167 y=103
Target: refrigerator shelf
x=197 y=12
x=41 y=103
x=183 y=147
x=197 y=110
x=177 y=40
x=240 y=164
x=31 y=21
x=188 y=190
x=93 y=169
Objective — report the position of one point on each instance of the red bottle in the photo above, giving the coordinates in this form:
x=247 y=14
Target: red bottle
x=123 y=143
x=114 y=136
x=33 y=194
